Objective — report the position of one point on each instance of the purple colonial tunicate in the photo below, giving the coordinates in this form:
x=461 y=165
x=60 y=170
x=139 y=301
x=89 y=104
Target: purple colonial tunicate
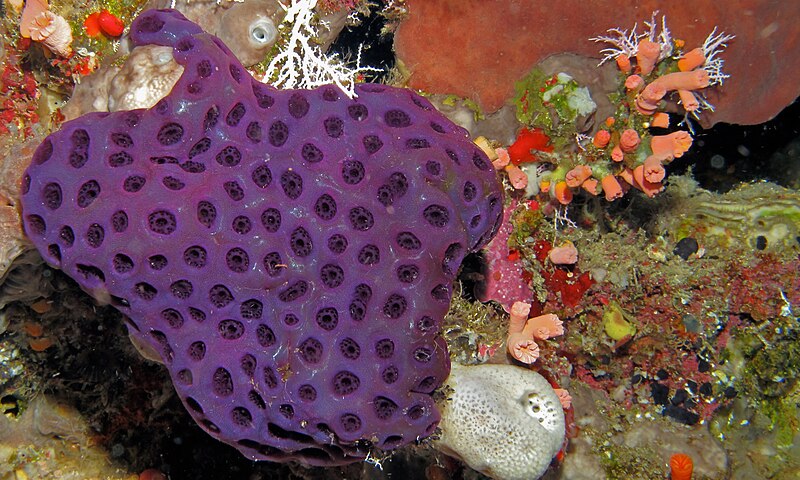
x=290 y=254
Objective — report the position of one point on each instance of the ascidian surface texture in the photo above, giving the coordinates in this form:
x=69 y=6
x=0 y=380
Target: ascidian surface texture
x=288 y=253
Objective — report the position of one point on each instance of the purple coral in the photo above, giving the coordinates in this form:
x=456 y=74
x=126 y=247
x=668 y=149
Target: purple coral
x=289 y=253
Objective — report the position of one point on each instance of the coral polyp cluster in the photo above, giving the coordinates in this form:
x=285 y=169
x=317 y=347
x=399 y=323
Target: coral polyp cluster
x=657 y=77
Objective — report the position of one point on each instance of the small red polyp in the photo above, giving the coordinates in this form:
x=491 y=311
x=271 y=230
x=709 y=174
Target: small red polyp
x=103 y=22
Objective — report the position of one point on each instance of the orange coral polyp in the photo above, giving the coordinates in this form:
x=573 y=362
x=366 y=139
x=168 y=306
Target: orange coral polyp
x=590 y=185
x=34 y=329
x=694 y=80
x=523 y=348
x=611 y=187
x=617 y=154
x=673 y=145
x=544 y=326
x=680 y=467
x=623 y=63
x=640 y=182
x=627 y=175
x=578 y=175
x=647 y=56
x=40 y=344
x=648 y=99
x=563 y=193
x=691 y=60
x=688 y=100
x=660 y=119
x=653 y=169
x=502 y=160
x=634 y=83
x=516 y=177
x=601 y=138
x=518 y=316
x=544 y=186
x=629 y=140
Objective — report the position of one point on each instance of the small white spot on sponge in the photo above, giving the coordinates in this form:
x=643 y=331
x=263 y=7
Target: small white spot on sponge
x=504 y=421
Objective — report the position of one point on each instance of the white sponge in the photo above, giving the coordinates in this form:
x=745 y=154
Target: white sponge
x=504 y=421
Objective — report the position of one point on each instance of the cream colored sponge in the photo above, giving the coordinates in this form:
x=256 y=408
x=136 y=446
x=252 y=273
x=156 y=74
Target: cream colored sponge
x=504 y=421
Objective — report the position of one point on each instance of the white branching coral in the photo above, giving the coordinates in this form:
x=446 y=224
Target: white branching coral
x=622 y=42
x=712 y=47
x=301 y=64
x=626 y=43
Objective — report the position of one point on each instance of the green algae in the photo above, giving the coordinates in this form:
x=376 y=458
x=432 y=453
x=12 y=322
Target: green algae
x=526 y=221
x=784 y=421
x=469 y=324
x=455 y=101
x=772 y=370
x=764 y=362
x=623 y=462
x=553 y=103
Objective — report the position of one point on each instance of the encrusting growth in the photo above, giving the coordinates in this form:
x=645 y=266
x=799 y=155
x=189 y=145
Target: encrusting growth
x=622 y=153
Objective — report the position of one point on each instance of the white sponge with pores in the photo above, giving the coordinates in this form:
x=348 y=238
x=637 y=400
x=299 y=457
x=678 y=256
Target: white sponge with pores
x=504 y=421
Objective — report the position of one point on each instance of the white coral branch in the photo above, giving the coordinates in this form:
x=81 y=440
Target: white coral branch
x=622 y=42
x=712 y=48
x=302 y=64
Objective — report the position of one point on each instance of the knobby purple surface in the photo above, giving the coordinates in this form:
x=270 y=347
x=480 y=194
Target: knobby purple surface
x=290 y=254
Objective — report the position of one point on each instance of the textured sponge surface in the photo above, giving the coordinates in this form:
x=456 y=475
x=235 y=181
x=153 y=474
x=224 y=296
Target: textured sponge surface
x=504 y=421
x=289 y=253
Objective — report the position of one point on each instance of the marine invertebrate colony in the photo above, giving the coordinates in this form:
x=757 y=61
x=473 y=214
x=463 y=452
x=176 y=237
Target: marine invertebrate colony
x=288 y=253
x=623 y=152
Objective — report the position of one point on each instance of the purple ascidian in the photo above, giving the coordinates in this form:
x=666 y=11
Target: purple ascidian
x=289 y=254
